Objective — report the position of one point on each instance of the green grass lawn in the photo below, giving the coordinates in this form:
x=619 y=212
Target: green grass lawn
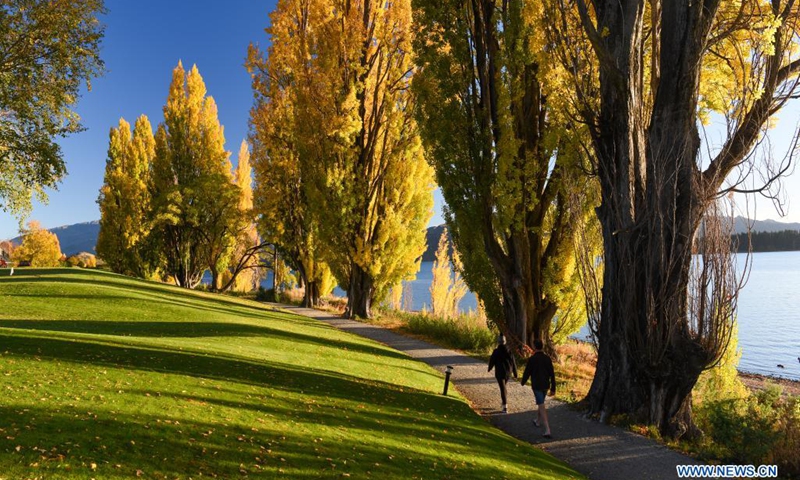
x=104 y=376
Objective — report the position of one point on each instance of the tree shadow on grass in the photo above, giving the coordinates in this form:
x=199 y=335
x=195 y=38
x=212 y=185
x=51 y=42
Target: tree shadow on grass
x=217 y=367
x=67 y=443
x=166 y=295
x=393 y=419
x=112 y=280
x=178 y=329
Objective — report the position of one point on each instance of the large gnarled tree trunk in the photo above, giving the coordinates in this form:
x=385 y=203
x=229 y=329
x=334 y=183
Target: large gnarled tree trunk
x=655 y=195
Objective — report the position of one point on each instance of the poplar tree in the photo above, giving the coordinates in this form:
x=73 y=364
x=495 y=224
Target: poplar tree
x=191 y=185
x=246 y=266
x=372 y=186
x=125 y=201
x=281 y=189
x=493 y=108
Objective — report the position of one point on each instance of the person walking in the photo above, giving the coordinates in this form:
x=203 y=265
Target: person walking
x=504 y=365
x=543 y=378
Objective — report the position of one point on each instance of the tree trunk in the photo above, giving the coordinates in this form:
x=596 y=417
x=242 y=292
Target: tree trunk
x=359 y=294
x=311 y=295
x=648 y=360
x=216 y=280
x=275 y=270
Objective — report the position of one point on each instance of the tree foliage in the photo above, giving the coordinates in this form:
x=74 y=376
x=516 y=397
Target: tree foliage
x=246 y=263
x=48 y=50
x=281 y=189
x=447 y=287
x=337 y=74
x=493 y=107
x=125 y=201
x=39 y=247
x=194 y=199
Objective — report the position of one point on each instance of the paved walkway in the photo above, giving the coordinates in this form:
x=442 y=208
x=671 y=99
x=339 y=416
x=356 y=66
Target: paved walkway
x=599 y=451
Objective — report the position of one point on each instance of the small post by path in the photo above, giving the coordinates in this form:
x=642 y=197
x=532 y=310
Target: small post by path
x=447 y=373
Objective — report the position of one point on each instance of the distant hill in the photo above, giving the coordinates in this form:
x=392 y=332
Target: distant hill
x=763 y=225
x=432 y=236
x=76 y=238
x=82 y=237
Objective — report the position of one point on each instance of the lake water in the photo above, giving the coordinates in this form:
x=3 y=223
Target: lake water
x=768 y=316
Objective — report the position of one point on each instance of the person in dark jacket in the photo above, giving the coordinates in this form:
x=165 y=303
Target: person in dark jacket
x=504 y=365
x=543 y=378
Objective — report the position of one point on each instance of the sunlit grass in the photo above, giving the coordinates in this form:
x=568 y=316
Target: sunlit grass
x=109 y=377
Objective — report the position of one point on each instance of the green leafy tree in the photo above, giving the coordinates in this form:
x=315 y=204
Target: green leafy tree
x=194 y=199
x=48 y=49
x=493 y=109
x=125 y=200
x=39 y=247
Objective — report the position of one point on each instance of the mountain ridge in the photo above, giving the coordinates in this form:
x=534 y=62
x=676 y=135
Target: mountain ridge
x=82 y=237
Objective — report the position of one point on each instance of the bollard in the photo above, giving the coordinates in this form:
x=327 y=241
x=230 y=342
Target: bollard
x=447 y=373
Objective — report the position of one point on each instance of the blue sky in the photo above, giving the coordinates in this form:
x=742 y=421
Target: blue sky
x=144 y=41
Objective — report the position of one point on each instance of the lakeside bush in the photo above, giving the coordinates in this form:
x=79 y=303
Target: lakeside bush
x=468 y=332
x=762 y=428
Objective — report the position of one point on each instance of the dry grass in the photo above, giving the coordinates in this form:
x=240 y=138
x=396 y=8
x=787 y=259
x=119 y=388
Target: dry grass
x=574 y=370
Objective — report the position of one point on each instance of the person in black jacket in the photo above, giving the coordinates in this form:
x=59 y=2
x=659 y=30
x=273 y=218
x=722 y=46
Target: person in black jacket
x=504 y=365
x=540 y=370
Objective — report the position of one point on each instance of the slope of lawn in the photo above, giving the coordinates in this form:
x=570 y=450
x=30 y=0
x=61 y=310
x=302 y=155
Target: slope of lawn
x=104 y=376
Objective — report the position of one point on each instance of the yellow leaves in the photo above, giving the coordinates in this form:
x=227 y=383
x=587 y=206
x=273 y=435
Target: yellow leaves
x=447 y=287
x=39 y=247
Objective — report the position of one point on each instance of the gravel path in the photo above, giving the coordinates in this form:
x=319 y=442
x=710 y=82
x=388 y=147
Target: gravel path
x=599 y=451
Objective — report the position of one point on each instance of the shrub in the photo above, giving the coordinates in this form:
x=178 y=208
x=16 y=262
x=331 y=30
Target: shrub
x=722 y=381
x=265 y=295
x=763 y=428
x=463 y=332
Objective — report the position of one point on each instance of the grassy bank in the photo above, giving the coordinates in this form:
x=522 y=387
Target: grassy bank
x=110 y=377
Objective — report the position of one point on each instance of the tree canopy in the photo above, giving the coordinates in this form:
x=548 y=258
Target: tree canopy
x=193 y=194
x=48 y=50
x=39 y=247
x=340 y=73
x=125 y=201
x=493 y=106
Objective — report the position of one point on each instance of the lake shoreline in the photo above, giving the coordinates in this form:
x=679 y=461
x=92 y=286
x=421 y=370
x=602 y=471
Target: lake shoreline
x=757 y=381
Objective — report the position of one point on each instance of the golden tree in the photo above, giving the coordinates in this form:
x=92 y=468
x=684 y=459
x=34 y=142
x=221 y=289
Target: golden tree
x=371 y=186
x=194 y=199
x=125 y=201
x=494 y=111
x=246 y=270
x=447 y=287
x=39 y=247
x=281 y=188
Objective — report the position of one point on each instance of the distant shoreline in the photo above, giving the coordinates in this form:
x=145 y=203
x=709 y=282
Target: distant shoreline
x=757 y=381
